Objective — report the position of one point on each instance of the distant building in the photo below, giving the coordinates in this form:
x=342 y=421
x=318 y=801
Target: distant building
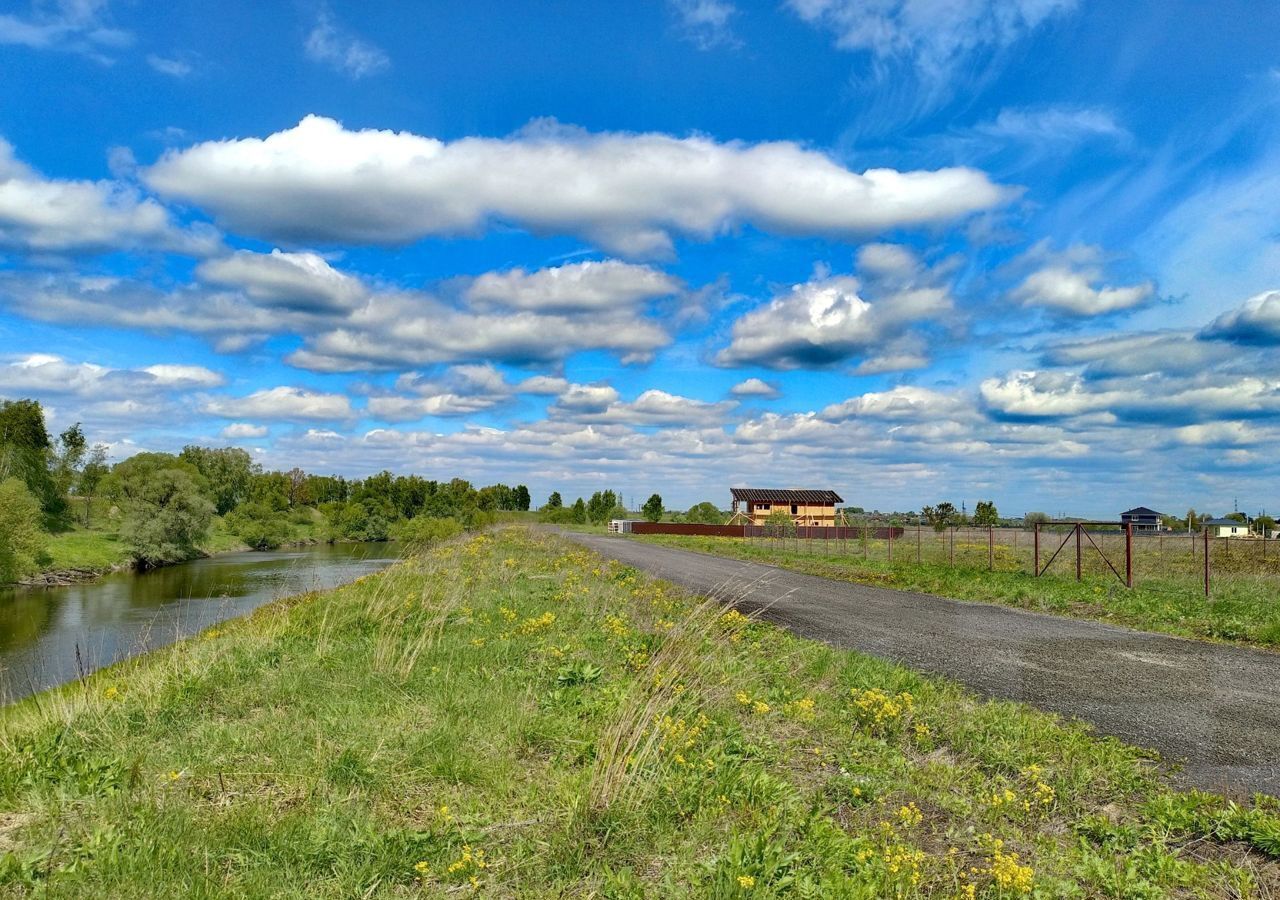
x=1226 y=528
x=1143 y=519
x=803 y=507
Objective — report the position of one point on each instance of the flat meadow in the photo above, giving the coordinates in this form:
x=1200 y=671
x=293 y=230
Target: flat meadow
x=508 y=715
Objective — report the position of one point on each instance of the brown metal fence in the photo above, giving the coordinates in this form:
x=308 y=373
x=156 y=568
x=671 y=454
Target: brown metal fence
x=1098 y=551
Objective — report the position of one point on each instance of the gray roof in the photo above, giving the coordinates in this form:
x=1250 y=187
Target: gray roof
x=1141 y=511
x=1222 y=522
x=777 y=495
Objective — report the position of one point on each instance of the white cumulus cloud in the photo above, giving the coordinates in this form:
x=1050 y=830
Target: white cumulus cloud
x=576 y=287
x=298 y=281
x=1073 y=292
x=629 y=193
x=49 y=214
x=826 y=321
x=282 y=403
x=755 y=387
x=244 y=431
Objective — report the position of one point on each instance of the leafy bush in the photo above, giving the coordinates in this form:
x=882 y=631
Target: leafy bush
x=426 y=531
x=259 y=525
x=704 y=513
x=21 y=540
x=355 y=521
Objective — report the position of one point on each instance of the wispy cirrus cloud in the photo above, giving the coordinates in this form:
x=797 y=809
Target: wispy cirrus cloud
x=706 y=23
x=333 y=45
x=78 y=26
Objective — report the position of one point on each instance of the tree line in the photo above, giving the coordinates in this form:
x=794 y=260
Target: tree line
x=162 y=505
x=606 y=505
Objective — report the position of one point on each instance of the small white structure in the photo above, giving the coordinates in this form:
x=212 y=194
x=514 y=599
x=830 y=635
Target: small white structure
x=1226 y=528
x=621 y=526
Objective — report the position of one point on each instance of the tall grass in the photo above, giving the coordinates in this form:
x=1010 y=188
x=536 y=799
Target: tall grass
x=508 y=715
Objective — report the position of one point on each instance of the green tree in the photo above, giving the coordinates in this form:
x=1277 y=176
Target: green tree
x=704 y=513
x=66 y=459
x=1036 y=518
x=554 y=501
x=1264 y=524
x=522 y=498
x=24 y=450
x=327 y=488
x=780 y=524
x=985 y=513
x=579 y=512
x=652 y=508
x=93 y=472
x=941 y=517
x=22 y=543
x=1193 y=520
x=601 y=506
x=1237 y=517
x=166 y=512
x=270 y=489
x=229 y=473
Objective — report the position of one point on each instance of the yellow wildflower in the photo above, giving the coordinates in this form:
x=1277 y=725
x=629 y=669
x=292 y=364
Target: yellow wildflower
x=746 y=882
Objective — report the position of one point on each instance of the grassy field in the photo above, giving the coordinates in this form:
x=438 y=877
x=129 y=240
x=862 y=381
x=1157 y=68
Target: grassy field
x=510 y=716
x=1244 y=608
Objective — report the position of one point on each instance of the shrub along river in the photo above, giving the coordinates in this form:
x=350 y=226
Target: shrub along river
x=49 y=636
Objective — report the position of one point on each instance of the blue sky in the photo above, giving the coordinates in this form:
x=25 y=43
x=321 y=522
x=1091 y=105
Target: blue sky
x=913 y=250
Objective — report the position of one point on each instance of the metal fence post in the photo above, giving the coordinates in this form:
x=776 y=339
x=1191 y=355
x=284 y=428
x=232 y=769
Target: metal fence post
x=1079 y=550
x=891 y=541
x=1128 y=554
x=917 y=542
x=991 y=548
x=951 y=552
x=1206 y=563
x=1036 y=558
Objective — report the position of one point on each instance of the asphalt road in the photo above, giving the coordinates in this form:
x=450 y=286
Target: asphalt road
x=1214 y=709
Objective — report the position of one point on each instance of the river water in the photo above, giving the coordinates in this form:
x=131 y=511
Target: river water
x=49 y=635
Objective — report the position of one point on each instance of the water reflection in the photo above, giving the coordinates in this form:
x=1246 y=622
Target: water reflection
x=49 y=635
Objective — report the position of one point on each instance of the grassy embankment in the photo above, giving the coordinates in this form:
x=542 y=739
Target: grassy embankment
x=512 y=716
x=1244 y=608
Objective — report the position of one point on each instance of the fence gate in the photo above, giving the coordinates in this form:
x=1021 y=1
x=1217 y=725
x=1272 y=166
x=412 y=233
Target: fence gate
x=1080 y=535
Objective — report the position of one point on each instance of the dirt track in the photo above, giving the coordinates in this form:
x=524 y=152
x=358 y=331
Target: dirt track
x=1213 y=708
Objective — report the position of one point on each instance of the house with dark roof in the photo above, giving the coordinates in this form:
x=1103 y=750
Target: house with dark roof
x=1143 y=518
x=804 y=507
x=1226 y=528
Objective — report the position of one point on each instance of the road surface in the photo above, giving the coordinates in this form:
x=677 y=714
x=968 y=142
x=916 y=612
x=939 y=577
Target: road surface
x=1213 y=708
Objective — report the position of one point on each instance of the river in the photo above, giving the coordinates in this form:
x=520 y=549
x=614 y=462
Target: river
x=49 y=635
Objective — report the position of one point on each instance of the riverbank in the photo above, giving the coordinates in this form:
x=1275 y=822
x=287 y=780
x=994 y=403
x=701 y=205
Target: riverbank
x=85 y=554
x=511 y=715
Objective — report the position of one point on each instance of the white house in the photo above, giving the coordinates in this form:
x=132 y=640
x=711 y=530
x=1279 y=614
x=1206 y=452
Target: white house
x=1226 y=528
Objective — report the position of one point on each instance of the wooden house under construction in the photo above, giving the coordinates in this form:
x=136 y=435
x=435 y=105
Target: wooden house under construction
x=753 y=506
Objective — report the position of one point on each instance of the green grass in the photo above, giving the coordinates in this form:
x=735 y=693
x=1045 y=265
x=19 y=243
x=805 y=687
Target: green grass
x=99 y=549
x=95 y=550
x=511 y=716
x=1245 y=607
